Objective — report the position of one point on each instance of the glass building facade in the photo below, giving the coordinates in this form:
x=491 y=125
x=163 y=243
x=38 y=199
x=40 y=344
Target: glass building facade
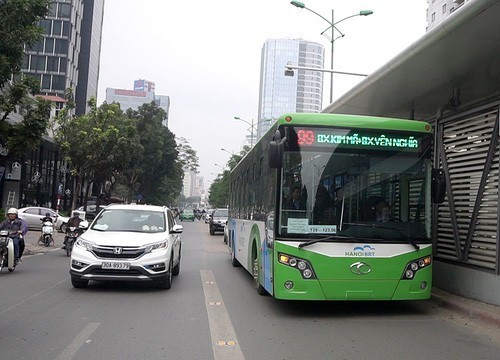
x=69 y=53
x=54 y=60
x=278 y=93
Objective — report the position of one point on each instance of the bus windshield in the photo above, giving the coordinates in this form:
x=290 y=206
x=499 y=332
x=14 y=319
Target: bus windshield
x=372 y=187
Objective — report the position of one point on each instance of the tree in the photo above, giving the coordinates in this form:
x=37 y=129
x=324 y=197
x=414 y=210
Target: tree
x=160 y=171
x=98 y=144
x=18 y=28
x=219 y=189
x=187 y=155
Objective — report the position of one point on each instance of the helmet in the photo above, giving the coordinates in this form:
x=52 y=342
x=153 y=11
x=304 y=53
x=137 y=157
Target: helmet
x=12 y=211
x=47 y=214
x=76 y=214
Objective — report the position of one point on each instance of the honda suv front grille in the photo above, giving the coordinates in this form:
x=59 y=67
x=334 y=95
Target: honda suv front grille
x=118 y=252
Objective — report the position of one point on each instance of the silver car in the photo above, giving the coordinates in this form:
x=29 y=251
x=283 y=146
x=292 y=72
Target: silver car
x=32 y=215
x=128 y=243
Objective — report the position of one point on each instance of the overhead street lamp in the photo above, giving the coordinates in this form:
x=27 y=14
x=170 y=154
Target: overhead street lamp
x=333 y=26
x=229 y=152
x=289 y=70
x=252 y=127
x=222 y=167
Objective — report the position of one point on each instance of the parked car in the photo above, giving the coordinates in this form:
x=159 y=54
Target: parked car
x=218 y=220
x=187 y=214
x=33 y=214
x=128 y=243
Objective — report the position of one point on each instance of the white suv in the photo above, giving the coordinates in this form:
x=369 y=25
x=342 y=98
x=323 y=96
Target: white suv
x=128 y=243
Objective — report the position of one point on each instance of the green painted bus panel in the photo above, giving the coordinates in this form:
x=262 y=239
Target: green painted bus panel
x=355 y=121
x=335 y=281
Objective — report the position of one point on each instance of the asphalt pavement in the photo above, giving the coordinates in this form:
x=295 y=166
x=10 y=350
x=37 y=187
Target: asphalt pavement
x=463 y=307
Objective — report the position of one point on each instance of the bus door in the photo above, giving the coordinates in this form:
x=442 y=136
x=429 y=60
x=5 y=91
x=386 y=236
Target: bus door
x=267 y=255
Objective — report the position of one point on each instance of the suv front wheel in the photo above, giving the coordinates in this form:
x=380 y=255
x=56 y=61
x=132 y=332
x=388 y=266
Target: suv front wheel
x=167 y=282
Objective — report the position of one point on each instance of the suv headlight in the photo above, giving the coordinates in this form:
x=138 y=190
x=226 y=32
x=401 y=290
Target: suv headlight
x=87 y=245
x=162 y=245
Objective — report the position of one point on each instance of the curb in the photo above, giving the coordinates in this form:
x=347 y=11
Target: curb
x=472 y=309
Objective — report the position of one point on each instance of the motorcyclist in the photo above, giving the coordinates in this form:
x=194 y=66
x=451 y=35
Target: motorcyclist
x=47 y=218
x=15 y=227
x=74 y=221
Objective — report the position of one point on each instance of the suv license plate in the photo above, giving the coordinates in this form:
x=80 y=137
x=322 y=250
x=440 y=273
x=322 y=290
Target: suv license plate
x=116 y=265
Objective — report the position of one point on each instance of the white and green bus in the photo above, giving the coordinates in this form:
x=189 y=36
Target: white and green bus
x=336 y=207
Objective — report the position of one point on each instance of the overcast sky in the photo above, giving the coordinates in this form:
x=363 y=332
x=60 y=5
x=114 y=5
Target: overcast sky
x=205 y=55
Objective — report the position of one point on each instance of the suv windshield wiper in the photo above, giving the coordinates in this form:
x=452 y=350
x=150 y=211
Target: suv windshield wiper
x=408 y=238
x=320 y=239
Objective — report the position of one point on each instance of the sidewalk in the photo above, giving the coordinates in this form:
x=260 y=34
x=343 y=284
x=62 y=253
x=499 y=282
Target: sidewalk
x=469 y=308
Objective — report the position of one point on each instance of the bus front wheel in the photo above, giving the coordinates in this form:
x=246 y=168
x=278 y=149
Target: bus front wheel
x=260 y=289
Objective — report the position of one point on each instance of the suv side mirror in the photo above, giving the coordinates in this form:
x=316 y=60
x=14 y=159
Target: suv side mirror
x=177 y=229
x=438 y=186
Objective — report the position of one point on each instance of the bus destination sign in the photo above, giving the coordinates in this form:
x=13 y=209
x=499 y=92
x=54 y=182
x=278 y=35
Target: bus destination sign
x=348 y=138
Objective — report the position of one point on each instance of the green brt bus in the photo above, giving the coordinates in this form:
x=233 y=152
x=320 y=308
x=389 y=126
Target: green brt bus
x=336 y=207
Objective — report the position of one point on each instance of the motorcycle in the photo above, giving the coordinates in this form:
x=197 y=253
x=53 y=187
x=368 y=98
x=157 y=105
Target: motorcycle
x=47 y=231
x=6 y=251
x=71 y=235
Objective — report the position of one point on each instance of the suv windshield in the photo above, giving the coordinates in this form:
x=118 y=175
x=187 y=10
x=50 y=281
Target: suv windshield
x=130 y=220
x=356 y=192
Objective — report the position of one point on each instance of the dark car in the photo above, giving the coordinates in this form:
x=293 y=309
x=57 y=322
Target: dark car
x=218 y=220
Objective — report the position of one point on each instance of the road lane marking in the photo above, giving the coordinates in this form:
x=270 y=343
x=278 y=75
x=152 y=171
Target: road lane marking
x=224 y=340
x=78 y=341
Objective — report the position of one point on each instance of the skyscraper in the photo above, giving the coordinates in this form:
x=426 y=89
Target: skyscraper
x=278 y=93
x=90 y=53
x=68 y=55
x=143 y=93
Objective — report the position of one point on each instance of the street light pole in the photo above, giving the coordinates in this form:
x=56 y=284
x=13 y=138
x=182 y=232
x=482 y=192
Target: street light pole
x=251 y=127
x=333 y=26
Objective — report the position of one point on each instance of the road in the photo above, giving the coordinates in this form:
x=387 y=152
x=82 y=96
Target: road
x=213 y=312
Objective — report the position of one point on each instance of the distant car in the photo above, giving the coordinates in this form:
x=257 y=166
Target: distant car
x=128 y=243
x=218 y=220
x=207 y=215
x=187 y=215
x=33 y=214
x=92 y=210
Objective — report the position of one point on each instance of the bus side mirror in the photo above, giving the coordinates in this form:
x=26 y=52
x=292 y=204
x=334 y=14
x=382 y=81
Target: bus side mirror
x=275 y=153
x=438 y=186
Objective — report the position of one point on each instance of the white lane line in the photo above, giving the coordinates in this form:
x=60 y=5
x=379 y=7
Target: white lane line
x=224 y=341
x=31 y=297
x=78 y=341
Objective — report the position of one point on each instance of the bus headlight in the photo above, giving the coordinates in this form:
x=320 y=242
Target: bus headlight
x=303 y=266
x=414 y=266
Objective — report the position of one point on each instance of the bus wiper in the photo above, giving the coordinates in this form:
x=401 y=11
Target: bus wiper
x=330 y=237
x=375 y=226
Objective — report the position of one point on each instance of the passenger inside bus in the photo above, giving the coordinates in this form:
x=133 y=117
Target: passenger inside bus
x=376 y=209
x=296 y=200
